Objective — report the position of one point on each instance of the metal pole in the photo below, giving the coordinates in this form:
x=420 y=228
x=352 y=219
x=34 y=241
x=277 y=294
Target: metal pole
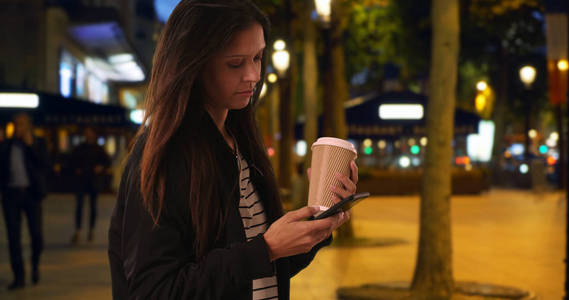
x=527 y=126
x=328 y=104
x=566 y=167
x=286 y=116
x=565 y=131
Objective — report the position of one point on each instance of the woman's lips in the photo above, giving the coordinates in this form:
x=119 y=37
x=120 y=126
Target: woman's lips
x=245 y=93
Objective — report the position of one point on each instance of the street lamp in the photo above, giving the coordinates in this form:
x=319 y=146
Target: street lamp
x=281 y=63
x=481 y=86
x=484 y=100
x=281 y=57
x=272 y=77
x=481 y=100
x=330 y=103
x=527 y=76
x=563 y=65
x=324 y=9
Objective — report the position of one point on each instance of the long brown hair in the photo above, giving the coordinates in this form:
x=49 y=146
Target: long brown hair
x=195 y=31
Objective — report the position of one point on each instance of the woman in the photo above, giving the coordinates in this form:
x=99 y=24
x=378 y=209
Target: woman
x=198 y=214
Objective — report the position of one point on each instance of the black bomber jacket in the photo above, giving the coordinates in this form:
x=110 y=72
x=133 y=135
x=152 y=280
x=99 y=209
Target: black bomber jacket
x=149 y=262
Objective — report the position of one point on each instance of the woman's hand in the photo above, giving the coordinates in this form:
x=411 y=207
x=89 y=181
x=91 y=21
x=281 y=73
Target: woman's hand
x=348 y=187
x=292 y=234
x=348 y=184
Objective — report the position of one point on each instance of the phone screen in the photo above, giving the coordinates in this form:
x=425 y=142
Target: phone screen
x=344 y=205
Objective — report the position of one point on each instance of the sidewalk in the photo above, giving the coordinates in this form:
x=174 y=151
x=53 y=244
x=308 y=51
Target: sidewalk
x=504 y=237
x=67 y=272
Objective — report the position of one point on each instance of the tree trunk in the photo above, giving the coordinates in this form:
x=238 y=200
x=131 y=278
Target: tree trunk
x=433 y=277
x=340 y=90
x=286 y=123
x=310 y=97
x=310 y=85
x=274 y=98
x=499 y=115
x=340 y=95
x=263 y=118
x=288 y=93
x=327 y=85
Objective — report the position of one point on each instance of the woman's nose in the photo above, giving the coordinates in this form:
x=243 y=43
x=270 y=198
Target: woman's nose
x=252 y=73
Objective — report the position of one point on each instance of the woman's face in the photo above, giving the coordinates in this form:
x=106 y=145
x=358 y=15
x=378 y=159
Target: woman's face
x=230 y=77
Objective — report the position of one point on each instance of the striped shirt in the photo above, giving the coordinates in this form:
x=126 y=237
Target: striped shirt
x=255 y=223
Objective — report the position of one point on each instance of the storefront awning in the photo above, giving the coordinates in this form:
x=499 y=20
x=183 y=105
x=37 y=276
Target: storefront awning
x=392 y=115
x=112 y=55
x=56 y=110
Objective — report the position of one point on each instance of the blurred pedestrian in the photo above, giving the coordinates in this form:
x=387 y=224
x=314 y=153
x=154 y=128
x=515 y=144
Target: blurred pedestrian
x=88 y=162
x=23 y=163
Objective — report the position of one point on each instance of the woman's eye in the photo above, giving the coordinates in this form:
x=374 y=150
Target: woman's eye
x=235 y=64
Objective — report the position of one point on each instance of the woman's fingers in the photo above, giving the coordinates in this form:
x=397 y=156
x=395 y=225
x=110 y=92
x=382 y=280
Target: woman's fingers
x=321 y=229
x=340 y=192
x=348 y=184
x=338 y=220
x=354 y=172
x=336 y=199
x=291 y=234
x=302 y=213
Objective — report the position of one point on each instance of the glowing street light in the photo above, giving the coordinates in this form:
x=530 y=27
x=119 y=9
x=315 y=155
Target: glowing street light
x=279 y=45
x=481 y=85
x=404 y=162
x=281 y=57
x=532 y=133
x=324 y=9
x=563 y=65
x=272 y=78
x=527 y=75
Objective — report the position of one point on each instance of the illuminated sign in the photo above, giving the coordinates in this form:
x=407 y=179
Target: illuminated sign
x=401 y=111
x=19 y=100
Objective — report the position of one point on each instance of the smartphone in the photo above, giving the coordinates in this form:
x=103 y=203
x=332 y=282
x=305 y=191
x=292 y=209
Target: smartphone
x=344 y=205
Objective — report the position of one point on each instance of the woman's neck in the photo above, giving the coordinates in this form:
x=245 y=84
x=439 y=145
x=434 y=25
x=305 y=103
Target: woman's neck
x=219 y=117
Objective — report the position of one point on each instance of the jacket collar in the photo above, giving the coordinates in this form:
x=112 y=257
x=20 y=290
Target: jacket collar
x=210 y=131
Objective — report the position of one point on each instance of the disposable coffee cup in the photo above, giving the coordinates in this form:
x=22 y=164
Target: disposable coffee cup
x=329 y=156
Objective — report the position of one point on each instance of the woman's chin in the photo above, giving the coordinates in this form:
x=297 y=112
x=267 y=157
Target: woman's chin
x=241 y=104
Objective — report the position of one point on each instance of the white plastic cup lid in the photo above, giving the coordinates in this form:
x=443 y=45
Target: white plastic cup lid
x=335 y=142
